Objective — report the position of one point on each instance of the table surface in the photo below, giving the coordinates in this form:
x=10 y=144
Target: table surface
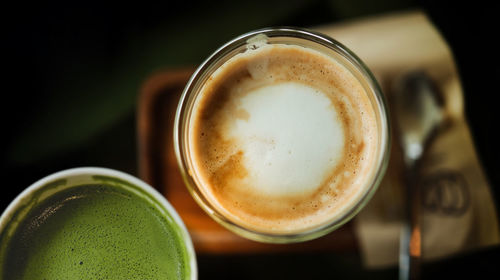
x=75 y=74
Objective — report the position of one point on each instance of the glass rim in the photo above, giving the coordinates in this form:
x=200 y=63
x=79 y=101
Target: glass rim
x=221 y=54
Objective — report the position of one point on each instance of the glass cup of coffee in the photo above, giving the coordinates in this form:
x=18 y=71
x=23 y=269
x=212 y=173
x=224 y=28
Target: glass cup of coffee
x=282 y=135
x=93 y=223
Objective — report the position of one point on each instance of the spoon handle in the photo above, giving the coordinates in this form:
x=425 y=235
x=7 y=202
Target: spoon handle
x=410 y=248
x=414 y=202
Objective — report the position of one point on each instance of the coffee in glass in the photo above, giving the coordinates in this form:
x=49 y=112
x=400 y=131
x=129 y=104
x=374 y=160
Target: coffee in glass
x=282 y=135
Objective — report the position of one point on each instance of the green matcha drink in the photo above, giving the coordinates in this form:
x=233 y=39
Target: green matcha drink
x=106 y=228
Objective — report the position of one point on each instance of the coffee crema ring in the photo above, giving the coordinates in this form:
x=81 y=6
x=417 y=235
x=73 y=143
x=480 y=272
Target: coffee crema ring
x=283 y=138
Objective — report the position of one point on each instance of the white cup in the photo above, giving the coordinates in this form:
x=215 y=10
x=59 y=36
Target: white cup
x=62 y=180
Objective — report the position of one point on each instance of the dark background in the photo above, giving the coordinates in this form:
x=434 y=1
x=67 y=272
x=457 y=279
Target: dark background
x=72 y=71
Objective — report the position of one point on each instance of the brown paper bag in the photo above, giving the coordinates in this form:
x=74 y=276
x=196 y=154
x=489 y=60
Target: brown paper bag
x=458 y=212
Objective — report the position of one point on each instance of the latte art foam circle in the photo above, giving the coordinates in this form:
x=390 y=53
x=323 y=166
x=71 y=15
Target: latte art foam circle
x=276 y=145
x=282 y=139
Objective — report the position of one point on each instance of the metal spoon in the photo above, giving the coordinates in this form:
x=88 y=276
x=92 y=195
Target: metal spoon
x=418 y=109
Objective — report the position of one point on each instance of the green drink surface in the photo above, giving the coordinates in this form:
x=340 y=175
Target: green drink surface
x=95 y=232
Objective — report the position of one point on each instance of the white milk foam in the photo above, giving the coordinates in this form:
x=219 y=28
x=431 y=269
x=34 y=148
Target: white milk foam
x=291 y=141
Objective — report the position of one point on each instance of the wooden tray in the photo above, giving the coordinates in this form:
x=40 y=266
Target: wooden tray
x=158 y=166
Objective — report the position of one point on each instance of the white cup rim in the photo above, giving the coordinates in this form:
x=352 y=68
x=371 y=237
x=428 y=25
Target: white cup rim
x=102 y=171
